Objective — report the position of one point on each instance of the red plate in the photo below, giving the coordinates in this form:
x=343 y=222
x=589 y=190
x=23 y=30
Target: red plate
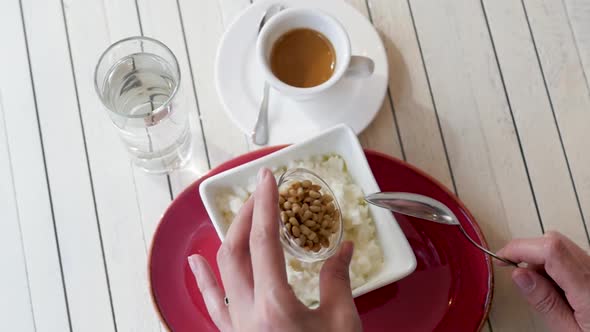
x=449 y=291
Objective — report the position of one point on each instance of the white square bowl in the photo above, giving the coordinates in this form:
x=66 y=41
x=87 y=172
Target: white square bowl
x=399 y=259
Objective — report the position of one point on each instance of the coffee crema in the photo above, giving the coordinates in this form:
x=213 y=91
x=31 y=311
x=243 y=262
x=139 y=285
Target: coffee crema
x=303 y=58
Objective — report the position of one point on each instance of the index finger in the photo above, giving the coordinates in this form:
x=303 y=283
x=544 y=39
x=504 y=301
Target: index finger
x=268 y=260
x=556 y=254
x=233 y=259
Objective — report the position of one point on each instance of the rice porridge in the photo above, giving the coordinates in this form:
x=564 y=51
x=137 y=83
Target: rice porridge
x=357 y=221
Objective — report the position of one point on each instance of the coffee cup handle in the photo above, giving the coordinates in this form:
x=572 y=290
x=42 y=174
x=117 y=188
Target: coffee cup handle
x=359 y=67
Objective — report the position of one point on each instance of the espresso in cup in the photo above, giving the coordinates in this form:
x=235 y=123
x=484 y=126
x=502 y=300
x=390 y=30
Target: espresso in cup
x=304 y=51
x=303 y=58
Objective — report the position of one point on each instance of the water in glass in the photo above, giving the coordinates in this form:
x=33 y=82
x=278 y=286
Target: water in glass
x=138 y=89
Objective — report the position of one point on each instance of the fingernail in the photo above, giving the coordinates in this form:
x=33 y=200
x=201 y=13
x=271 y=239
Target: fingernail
x=260 y=175
x=195 y=266
x=524 y=282
x=348 y=249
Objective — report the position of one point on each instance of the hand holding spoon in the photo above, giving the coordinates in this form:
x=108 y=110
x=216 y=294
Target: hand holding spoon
x=425 y=208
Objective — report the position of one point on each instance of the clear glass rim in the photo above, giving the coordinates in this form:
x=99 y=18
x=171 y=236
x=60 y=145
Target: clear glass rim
x=297 y=251
x=128 y=39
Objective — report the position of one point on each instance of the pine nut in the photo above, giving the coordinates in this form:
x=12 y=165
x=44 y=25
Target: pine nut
x=295 y=231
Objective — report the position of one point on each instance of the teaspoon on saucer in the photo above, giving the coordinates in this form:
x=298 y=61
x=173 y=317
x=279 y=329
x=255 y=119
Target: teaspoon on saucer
x=425 y=208
x=260 y=132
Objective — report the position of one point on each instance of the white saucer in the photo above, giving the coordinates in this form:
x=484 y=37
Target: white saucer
x=239 y=80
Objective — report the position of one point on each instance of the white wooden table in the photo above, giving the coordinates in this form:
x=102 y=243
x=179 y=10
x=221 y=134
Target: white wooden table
x=491 y=97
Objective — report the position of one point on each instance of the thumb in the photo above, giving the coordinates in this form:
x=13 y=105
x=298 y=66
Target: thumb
x=542 y=295
x=334 y=278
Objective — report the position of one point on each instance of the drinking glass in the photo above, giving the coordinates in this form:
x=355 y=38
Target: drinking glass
x=136 y=79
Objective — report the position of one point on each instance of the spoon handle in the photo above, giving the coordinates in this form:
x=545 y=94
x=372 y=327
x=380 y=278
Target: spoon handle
x=425 y=208
x=505 y=260
x=260 y=133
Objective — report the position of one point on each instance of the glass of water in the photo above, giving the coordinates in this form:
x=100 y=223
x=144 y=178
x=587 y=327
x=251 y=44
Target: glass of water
x=136 y=79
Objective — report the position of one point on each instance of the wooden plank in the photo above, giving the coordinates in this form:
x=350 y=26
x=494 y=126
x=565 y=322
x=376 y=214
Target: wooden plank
x=15 y=303
x=408 y=85
x=149 y=218
x=567 y=86
x=129 y=202
x=160 y=20
x=534 y=118
x=480 y=136
x=579 y=20
x=203 y=28
x=152 y=14
x=410 y=91
x=382 y=133
x=31 y=200
x=69 y=180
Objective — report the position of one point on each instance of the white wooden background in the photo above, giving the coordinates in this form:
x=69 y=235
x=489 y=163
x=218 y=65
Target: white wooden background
x=491 y=97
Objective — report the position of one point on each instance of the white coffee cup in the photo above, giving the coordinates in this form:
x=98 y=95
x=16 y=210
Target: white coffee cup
x=296 y=18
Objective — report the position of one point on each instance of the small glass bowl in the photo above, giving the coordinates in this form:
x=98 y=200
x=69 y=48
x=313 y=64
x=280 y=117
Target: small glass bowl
x=289 y=244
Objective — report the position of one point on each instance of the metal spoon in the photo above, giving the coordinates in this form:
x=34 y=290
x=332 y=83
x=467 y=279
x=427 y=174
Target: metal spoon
x=426 y=208
x=260 y=132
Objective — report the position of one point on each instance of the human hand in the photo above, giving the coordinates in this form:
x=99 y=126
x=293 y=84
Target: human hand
x=556 y=281
x=252 y=267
